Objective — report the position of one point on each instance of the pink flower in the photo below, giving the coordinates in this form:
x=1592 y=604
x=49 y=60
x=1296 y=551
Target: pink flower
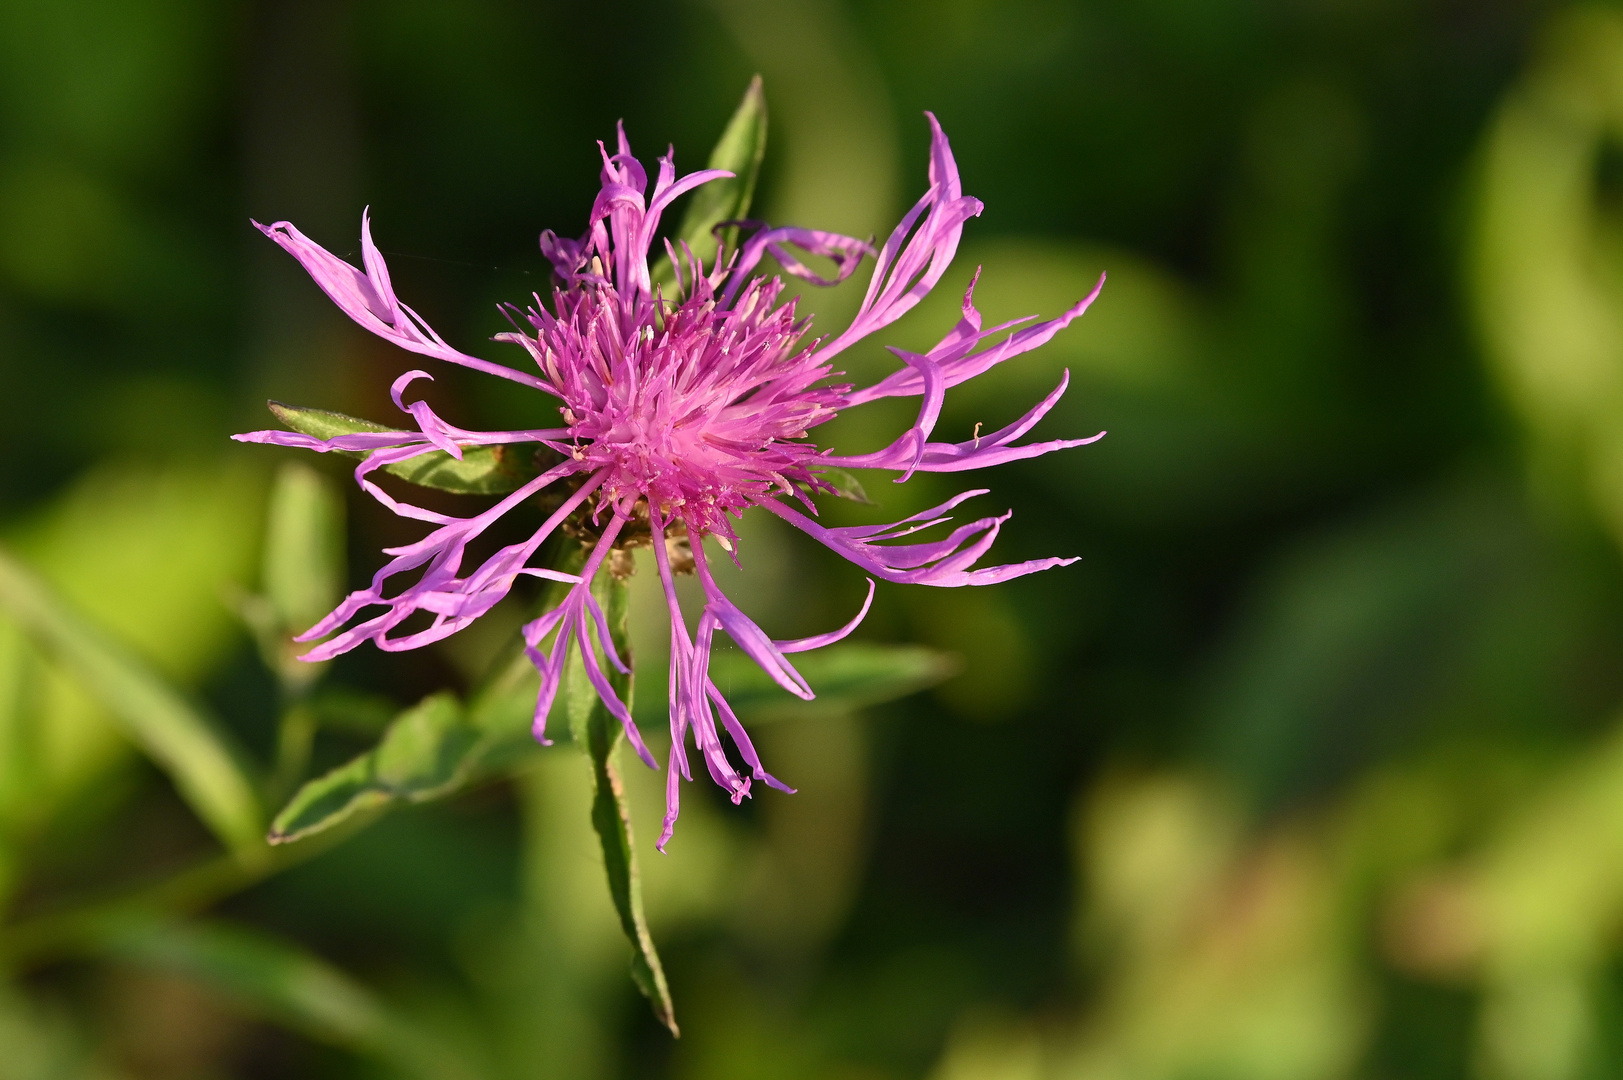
x=677 y=417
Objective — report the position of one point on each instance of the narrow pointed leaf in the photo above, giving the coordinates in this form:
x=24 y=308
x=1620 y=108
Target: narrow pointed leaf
x=434 y=749
x=739 y=150
x=611 y=816
x=423 y=754
x=440 y=747
x=847 y=486
x=844 y=677
x=156 y=716
x=483 y=470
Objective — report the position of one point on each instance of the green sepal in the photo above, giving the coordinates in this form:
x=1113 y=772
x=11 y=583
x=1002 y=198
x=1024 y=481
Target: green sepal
x=846 y=485
x=739 y=150
x=483 y=470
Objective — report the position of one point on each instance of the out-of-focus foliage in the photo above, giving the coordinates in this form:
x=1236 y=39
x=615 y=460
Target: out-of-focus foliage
x=1312 y=768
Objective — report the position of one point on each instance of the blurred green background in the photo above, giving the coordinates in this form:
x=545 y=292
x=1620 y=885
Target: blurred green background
x=1312 y=767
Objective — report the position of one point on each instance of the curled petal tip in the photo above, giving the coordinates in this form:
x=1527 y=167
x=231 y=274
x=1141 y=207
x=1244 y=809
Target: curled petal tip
x=398 y=388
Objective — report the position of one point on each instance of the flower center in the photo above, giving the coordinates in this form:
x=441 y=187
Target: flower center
x=703 y=411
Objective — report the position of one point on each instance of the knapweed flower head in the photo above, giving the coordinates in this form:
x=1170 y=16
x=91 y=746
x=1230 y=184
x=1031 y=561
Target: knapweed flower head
x=678 y=413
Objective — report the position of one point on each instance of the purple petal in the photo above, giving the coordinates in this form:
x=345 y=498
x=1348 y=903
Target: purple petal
x=817 y=642
x=958 y=365
x=943 y=564
x=908 y=268
x=371 y=302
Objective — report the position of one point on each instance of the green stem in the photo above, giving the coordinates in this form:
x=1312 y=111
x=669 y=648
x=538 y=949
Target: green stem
x=611 y=816
x=295 y=733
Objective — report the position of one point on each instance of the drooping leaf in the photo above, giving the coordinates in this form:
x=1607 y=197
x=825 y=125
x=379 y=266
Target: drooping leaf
x=483 y=470
x=611 y=816
x=739 y=150
x=156 y=716
x=285 y=984
x=423 y=754
x=844 y=677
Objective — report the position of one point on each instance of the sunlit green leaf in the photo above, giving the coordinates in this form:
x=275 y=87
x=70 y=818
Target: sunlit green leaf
x=155 y=715
x=146 y=554
x=1545 y=256
x=611 y=816
x=303 y=566
x=43 y=1041
x=483 y=470
x=739 y=150
x=424 y=753
x=843 y=676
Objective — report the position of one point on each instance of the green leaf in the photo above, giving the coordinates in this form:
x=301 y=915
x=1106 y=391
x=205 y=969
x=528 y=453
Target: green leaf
x=286 y=984
x=423 y=754
x=611 y=816
x=155 y=715
x=303 y=567
x=439 y=747
x=435 y=748
x=356 y=712
x=844 y=677
x=847 y=486
x=739 y=150
x=483 y=470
